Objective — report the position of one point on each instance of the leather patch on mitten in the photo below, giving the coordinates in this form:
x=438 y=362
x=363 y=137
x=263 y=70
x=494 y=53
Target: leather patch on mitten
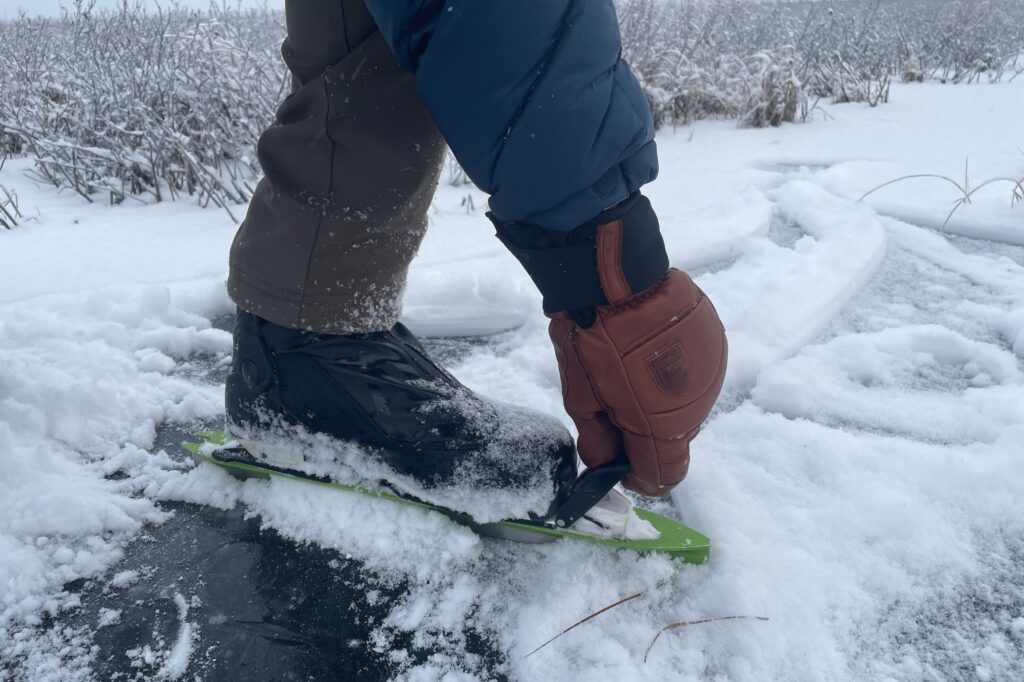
x=670 y=369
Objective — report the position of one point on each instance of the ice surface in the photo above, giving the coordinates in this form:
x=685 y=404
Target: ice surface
x=862 y=480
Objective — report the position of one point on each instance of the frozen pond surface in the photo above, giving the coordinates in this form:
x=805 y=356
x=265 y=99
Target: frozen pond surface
x=862 y=479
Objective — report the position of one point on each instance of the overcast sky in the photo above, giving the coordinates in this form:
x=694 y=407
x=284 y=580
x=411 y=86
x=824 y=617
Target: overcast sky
x=10 y=8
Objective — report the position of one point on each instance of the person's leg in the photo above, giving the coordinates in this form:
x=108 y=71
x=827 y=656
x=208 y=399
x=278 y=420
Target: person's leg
x=351 y=165
x=317 y=270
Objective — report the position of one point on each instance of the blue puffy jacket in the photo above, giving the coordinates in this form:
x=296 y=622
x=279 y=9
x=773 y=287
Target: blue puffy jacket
x=533 y=98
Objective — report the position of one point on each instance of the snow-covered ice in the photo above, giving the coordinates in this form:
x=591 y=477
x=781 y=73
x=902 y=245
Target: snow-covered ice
x=862 y=479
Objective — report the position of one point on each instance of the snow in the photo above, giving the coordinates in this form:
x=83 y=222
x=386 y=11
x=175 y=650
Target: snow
x=109 y=617
x=862 y=479
x=175 y=662
x=766 y=305
x=504 y=481
x=615 y=517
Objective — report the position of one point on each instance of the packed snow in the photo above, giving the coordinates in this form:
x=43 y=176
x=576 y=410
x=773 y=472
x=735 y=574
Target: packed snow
x=862 y=479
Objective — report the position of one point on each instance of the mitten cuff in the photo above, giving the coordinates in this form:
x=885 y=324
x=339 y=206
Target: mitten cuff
x=605 y=261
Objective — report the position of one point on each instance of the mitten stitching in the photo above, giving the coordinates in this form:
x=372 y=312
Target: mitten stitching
x=678 y=317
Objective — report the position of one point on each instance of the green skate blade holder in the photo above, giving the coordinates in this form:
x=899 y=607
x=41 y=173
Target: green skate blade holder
x=675 y=540
x=589 y=489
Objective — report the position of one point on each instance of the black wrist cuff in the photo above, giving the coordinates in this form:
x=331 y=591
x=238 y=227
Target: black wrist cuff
x=564 y=265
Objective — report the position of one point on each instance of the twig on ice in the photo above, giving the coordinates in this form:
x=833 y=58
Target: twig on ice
x=590 y=617
x=674 y=626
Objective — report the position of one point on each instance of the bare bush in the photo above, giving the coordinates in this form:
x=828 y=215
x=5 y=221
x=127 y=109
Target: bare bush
x=9 y=211
x=763 y=62
x=130 y=104
x=124 y=104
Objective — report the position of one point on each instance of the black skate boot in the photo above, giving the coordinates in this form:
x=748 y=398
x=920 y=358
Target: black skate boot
x=382 y=393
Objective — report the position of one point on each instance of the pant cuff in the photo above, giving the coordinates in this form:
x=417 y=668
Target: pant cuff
x=339 y=313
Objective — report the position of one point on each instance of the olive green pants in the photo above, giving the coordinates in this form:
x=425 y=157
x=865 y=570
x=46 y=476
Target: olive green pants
x=351 y=164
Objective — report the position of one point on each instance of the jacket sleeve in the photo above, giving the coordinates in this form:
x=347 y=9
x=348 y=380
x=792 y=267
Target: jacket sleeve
x=533 y=98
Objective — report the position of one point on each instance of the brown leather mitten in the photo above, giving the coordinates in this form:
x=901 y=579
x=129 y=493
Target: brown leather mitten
x=641 y=350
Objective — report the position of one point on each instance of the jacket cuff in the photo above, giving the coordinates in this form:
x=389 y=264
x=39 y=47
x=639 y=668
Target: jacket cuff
x=604 y=261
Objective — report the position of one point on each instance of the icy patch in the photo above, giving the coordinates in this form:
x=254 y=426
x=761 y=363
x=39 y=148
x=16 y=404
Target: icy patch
x=84 y=381
x=1000 y=279
x=923 y=381
x=1001 y=274
x=774 y=300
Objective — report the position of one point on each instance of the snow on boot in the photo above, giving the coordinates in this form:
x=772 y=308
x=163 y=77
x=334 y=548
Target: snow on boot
x=389 y=412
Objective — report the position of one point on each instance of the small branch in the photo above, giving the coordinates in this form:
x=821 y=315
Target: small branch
x=588 y=618
x=688 y=623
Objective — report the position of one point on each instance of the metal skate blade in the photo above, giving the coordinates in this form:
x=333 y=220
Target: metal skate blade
x=501 y=531
x=227 y=456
